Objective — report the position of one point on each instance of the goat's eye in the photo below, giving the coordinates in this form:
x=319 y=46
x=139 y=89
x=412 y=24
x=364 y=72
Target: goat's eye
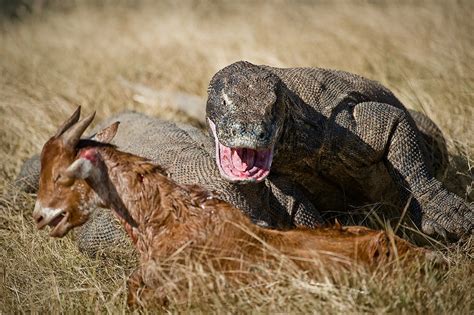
x=65 y=180
x=56 y=177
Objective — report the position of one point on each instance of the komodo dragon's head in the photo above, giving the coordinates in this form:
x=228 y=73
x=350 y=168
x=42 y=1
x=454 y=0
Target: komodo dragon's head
x=245 y=114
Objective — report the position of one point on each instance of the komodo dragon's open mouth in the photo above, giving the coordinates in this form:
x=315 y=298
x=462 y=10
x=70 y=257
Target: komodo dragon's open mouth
x=242 y=164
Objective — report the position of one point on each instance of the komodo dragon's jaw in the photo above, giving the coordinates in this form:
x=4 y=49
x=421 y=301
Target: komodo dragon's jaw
x=242 y=164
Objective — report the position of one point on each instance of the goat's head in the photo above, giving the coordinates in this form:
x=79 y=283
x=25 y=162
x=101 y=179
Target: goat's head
x=64 y=198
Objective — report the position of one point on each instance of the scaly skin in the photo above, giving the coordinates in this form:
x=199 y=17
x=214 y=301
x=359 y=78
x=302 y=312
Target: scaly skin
x=331 y=131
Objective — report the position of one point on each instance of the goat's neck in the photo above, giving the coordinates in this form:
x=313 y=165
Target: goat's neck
x=137 y=190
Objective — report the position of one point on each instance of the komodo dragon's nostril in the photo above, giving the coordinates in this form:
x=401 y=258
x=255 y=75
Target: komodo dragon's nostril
x=39 y=219
x=237 y=130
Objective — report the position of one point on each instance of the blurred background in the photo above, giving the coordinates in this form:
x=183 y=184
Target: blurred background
x=55 y=55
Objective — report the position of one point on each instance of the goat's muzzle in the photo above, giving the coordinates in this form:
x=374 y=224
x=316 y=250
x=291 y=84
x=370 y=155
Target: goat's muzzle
x=57 y=219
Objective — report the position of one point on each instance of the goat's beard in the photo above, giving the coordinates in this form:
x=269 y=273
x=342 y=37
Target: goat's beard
x=242 y=164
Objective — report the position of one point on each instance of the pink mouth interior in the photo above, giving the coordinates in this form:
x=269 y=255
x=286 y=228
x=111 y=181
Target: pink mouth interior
x=56 y=221
x=242 y=163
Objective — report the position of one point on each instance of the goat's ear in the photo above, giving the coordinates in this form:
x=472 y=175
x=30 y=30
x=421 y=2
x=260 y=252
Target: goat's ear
x=107 y=134
x=80 y=168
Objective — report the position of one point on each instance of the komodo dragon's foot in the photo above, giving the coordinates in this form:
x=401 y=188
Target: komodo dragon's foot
x=446 y=214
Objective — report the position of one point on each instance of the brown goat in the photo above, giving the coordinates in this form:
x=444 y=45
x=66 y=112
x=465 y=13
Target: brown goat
x=163 y=217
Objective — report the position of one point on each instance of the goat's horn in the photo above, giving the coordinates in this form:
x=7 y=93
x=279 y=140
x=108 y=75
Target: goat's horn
x=72 y=135
x=68 y=123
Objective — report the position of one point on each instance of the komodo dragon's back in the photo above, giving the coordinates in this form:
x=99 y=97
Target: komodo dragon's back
x=311 y=85
x=324 y=88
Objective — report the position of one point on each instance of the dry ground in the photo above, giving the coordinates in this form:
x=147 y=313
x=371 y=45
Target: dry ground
x=74 y=53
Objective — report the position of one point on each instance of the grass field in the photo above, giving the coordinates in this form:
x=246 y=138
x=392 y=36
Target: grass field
x=74 y=52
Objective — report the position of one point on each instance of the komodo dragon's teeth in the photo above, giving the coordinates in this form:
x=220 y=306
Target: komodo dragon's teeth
x=250 y=158
x=253 y=170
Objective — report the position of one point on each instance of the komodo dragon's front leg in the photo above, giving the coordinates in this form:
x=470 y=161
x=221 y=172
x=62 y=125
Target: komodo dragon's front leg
x=396 y=142
x=287 y=196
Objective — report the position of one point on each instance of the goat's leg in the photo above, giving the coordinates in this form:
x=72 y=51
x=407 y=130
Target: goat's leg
x=134 y=283
x=140 y=294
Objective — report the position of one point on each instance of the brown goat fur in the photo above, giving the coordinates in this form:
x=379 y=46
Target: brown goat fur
x=163 y=218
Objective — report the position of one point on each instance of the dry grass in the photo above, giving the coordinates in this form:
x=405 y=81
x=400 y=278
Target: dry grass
x=423 y=51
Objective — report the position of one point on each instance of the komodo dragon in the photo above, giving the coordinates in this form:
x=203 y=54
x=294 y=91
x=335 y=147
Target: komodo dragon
x=187 y=154
x=346 y=139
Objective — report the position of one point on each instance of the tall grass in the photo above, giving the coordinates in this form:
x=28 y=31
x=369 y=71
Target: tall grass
x=74 y=52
